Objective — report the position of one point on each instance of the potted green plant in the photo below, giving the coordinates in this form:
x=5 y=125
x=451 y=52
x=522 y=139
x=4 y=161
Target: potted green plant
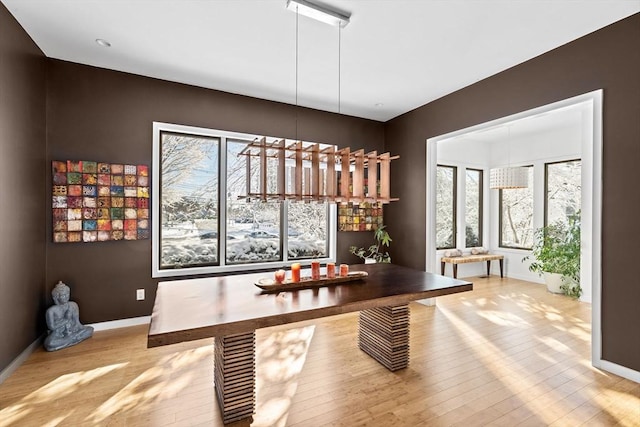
x=375 y=251
x=556 y=256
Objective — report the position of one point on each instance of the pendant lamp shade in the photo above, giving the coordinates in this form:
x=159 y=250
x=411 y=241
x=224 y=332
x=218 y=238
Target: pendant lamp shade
x=506 y=178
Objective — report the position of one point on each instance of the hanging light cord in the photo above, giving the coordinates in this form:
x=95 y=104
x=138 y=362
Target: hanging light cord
x=339 y=64
x=508 y=146
x=297 y=16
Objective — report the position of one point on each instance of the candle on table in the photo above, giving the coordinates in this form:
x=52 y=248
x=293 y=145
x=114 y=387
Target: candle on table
x=344 y=270
x=280 y=274
x=331 y=270
x=315 y=270
x=295 y=272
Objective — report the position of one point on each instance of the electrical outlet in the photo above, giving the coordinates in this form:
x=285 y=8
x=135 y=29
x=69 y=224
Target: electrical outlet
x=140 y=294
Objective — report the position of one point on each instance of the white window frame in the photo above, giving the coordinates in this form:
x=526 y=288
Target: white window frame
x=481 y=215
x=461 y=204
x=157 y=272
x=533 y=210
x=455 y=197
x=545 y=167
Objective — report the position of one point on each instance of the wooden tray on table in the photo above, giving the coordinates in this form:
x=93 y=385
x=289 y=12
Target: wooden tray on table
x=270 y=285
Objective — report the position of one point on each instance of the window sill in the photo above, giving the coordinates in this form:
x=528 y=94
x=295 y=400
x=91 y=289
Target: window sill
x=244 y=268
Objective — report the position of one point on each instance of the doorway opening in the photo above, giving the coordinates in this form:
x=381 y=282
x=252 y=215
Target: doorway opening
x=585 y=113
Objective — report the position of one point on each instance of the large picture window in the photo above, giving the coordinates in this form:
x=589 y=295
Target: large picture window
x=516 y=216
x=446 y=189
x=203 y=224
x=562 y=191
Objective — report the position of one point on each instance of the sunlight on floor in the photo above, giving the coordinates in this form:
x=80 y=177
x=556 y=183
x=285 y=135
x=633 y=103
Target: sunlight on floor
x=555 y=345
x=53 y=392
x=502 y=318
x=587 y=364
x=580 y=329
x=280 y=358
x=154 y=384
x=573 y=394
x=57 y=421
x=126 y=391
x=510 y=373
x=629 y=402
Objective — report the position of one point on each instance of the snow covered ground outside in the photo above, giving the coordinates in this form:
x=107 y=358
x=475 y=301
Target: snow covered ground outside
x=192 y=244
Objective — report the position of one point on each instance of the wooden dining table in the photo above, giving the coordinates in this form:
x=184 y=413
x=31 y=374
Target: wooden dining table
x=231 y=308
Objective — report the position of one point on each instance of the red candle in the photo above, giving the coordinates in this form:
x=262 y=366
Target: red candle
x=295 y=272
x=315 y=270
x=280 y=276
x=331 y=270
x=344 y=270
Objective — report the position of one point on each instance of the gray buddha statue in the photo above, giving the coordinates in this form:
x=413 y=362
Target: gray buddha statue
x=63 y=321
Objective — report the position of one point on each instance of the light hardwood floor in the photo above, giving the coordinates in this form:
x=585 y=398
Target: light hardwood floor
x=506 y=354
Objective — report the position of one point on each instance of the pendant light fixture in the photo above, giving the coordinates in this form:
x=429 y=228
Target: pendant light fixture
x=510 y=177
x=312 y=172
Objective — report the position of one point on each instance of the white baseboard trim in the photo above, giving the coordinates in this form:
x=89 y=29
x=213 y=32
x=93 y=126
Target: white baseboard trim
x=527 y=278
x=123 y=323
x=618 y=370
x=22 y=357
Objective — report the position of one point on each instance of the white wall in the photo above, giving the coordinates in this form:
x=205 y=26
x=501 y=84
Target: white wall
x=474 y=153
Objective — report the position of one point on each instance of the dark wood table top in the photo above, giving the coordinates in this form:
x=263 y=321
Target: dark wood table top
x=193 y=309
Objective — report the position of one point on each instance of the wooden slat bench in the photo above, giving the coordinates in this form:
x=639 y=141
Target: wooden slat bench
x=471 y=258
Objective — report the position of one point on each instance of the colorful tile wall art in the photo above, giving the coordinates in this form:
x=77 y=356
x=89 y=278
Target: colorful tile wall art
x=95 y=202
x=359 y=217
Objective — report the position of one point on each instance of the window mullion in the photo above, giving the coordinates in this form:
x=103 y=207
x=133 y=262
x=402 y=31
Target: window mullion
x=222 y=203
x=461 y=207
x=284 y=230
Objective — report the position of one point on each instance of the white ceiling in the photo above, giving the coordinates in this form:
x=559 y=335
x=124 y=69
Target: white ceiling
x=395 y=55
x=556 y=120
x=545 y=135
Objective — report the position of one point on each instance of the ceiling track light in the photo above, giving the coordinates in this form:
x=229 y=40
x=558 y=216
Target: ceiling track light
x=319 y=13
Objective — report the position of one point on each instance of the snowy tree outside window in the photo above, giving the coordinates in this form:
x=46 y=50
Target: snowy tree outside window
x=563 y=187
x=446 y=207
x=189 y=200
x=473 y=208
x=204 y=223
x=254 y=228
x=516 y=216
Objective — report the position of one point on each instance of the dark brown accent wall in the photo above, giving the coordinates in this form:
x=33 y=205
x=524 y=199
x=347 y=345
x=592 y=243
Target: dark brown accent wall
x=22 y=190
x=607 y=59
x=102 y=115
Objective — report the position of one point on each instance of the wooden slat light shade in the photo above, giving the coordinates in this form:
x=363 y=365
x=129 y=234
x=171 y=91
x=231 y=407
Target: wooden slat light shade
x=345 y=162
x=314 y=170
